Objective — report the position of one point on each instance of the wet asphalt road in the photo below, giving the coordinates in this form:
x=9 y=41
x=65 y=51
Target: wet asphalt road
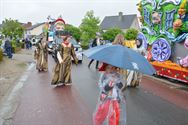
x=143 y=107
x=42 y=104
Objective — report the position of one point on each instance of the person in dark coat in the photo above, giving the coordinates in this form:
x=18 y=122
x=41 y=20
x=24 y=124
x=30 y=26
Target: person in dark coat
x=27 y=42
x=8 y=48
x=94 y=44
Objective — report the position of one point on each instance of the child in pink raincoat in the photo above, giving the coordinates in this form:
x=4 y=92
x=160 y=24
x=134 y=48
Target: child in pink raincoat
x=111 y=105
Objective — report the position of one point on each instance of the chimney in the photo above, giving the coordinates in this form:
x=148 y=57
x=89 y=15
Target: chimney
x=29 y=24
x=120 y=16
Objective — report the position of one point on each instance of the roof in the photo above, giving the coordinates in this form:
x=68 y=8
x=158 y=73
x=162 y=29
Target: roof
x=35 y=26
x=114 y=21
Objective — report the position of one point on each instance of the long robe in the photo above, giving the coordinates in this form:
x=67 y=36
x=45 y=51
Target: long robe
x=41 y=55
x=133 y=77
x=62 y=71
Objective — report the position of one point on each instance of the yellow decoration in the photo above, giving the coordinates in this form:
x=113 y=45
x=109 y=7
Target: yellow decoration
x=183 y=4
x=170 y=65
x=130 y=44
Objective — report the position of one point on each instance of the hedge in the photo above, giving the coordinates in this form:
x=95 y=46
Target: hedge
x=16 y=46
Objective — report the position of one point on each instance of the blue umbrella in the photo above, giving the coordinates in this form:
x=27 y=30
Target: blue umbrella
x=121 y=57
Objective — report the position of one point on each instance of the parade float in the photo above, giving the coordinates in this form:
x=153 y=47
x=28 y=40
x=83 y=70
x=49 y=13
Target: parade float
x=164 y=33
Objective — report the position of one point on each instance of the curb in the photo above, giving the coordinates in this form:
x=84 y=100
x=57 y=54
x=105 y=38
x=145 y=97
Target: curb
x=166 y=82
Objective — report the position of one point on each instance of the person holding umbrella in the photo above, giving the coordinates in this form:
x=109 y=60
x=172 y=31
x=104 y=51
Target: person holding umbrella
x=111 y=105
x=110 y=83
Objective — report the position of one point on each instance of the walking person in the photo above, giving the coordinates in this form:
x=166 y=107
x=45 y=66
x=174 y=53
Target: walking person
x=134 y=77
x=119 y=40
x=30 y=44
x=27 y=43
x=8 y=48
x=41 y=55
x=62 y=71
x=96 y=42
x=111 y=104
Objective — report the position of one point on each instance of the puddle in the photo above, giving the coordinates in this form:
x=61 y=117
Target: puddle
x=1 y=79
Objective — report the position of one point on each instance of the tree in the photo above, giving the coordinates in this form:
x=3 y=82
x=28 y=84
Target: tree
x=111 y=34
x=89 y=27
x=76 y=33
x=12 y=28
x=131 y=34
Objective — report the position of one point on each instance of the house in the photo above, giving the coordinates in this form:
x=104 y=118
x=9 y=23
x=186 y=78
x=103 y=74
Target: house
x=34 y=30
x=26 y=25
x=121 y=21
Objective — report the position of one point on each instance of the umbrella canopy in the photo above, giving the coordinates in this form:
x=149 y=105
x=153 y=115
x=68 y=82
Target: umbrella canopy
x=121 y=57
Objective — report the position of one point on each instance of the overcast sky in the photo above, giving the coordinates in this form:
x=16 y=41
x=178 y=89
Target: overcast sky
x=72 y=11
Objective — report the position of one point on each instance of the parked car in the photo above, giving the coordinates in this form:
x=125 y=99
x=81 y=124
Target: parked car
x=51 y=42
x=35 y=40
x=78 y=50
x=52 y=49
x=50 y=36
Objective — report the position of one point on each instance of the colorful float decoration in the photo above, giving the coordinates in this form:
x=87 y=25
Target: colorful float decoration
x=165 y=31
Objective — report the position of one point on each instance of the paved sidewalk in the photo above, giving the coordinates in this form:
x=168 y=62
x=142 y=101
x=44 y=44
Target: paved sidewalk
x=12 y=69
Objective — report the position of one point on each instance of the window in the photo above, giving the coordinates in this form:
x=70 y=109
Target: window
x=169 y=19
x=147 y=16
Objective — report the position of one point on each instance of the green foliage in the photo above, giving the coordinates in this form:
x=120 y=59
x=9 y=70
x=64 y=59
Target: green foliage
x=16 y=46
x=13 y=43
x=89 y=27
x=85 y=43
x=1 y=55
x=76 y=33
x=12 y=28
x=111 y=34
x=1 y=42
x=131 y=34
